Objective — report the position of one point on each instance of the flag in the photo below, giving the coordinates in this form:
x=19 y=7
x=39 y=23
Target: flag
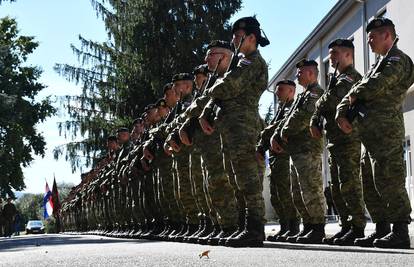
x=47 y=202
x=55 y=198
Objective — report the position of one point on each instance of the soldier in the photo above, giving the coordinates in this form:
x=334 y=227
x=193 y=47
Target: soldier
x=280 y=193
x=344 y=150
x=220 y=191
x=239 y=92
x=293 y=136
x=377 y=100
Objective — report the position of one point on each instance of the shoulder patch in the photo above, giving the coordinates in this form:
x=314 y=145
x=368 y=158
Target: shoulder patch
x=244 y=62
x=314 y=95
x=349 y=79
x=395 y=58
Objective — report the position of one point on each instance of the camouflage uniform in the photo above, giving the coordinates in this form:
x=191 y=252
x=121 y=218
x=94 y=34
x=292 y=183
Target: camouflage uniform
x=344 y=152
x=306 y=153
x=238 y=93
x=382 y=91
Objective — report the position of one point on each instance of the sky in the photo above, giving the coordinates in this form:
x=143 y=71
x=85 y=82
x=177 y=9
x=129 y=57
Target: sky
x=57 y=24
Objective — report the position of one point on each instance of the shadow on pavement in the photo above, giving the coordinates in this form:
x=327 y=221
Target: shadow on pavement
x=24 y=242
x=336 y=248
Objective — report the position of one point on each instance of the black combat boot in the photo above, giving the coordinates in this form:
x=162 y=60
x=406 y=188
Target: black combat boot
x=201 y=226
x=315 y=235
x=381 y=229
x=307 y=227
x=293 y=230
x=284 y=227
x=207 y=229
x=240 y=228
x=215 y=231
x=252 y=236
x=349 y=238
x=224 y=233
x=330 y=240
x=398 y=238
x=191 y=229
x=180 y=235
x=178 y=231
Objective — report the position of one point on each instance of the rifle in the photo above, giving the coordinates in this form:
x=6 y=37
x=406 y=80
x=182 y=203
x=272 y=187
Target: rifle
x=333 y=80
x=358 y=108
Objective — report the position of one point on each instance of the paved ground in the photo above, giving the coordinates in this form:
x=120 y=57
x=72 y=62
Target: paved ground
x=75 y=250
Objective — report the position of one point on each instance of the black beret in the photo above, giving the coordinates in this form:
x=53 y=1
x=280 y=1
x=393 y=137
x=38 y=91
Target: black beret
x=201 y=69
x=150 y=106
x=160 y=103
x=167 y=87
x=219 y=44
x=287 y=82
x=182 y=77
x=342 y=43
x=137 y=120
x=112 y=138
x=122 y=130
x=378 y=23
x=251 y=26
x=306 y=62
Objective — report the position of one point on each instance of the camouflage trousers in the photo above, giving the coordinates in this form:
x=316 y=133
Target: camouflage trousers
x=185 y=189
x=197 y=178
x=166 y=193
x=346 y=184
x=384 y=187
x=239 y=139
x=307 y=179
x=280 y=188
x=221 y=198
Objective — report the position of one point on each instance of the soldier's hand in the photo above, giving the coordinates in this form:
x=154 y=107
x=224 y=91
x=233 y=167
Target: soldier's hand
x=205 y=126
x=344 y=125
x=147 y=154
x=184 y=137
x=351 y=99
x=174 y=146
x=275 y=145
x=315 y=132
x=167 y=149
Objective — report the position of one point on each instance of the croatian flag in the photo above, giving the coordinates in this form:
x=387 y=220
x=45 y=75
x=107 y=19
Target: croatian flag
x=47 y=202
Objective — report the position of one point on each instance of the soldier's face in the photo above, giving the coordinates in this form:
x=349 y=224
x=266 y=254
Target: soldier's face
x=284 y=91
x=199 y=80
x=171 y=97
x=376 y=40
x=112 y=145
x=163 y=111
x=237 y=37
x=184 y=87
x=212 y=58
x=123 y=137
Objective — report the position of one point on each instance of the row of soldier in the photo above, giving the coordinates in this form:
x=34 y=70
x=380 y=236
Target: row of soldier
x=191 y=169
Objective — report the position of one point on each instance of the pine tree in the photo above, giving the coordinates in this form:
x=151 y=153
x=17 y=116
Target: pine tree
x=19 y=110
x=148 y=42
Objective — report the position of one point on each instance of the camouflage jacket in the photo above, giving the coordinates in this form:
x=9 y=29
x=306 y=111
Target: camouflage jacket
x=325 y=107
x=382 y=89
x=240 y=89
x=295 y=126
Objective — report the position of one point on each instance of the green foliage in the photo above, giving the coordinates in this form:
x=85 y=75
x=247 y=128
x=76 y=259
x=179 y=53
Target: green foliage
x=148 y=42
x=269 y=114
x=30 y=208
x=20 y=109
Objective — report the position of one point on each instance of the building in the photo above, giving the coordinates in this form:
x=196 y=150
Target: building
x=348 y=19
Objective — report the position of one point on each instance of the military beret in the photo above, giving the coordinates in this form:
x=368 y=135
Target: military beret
x=219 y=44
x=112 y=138
x=378 y=23
x=342 y=43
x=201 y=69
x=182 y=77
x=287 y=82
x=306 y=62
x=122 y=130
x=137 y=120
x=149 y=107
x=251 y=26
x=160 y=103
x=167 y=87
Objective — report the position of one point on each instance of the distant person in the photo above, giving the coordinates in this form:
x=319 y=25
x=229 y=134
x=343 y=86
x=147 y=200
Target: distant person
x=17 y=224
x=9 y=212
x=1 y=218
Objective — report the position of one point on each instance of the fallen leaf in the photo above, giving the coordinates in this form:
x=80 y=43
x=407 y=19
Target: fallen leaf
x=204 y=253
